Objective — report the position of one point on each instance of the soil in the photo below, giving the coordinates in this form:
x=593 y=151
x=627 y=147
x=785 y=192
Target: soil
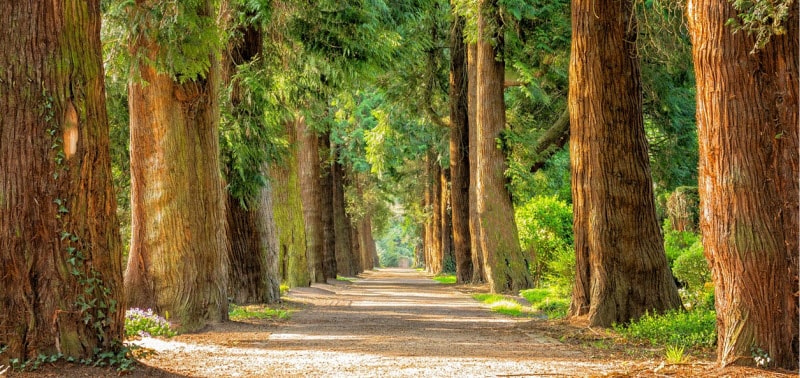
x=400 y=323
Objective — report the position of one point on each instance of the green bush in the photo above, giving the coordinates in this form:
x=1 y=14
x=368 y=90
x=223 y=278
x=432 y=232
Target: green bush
x=677 y=328
x=545 y=229
x=691 y=267
x=677 y=243
x=549 y=300
x=140 y=322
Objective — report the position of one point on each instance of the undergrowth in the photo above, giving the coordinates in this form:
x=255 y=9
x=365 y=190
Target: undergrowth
x=677 y=328
x=140 y=322
x=257 y=312
x=547 y=300
x=445 y=278
x=502 y=304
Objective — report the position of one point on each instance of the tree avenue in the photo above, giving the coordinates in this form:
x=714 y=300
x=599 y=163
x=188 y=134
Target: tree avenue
x=60 y=248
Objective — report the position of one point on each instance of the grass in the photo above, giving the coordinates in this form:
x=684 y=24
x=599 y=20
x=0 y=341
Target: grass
x=257 y=312
x=284 y=289
x=502 y=304
x=696 y=328
x=547 y=300
x=445 y=278
x=346 y=279
x=675 y=354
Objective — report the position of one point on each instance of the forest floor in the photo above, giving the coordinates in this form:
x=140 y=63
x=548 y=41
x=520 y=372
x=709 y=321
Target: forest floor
x=400 y=323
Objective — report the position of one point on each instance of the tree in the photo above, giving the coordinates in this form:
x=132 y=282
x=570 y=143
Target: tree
x=308 y=164
x=60 y=246
x=178 y=262
x=747 y=126
x=622 y=271
x=459 y=152
x=326 y=207
x=506 y=268
x=478 y=274
x=346 y=264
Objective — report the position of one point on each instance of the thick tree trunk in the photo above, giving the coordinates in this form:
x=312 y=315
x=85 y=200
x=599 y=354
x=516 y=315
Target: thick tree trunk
x=345 y=264
x=326 y=209
x=309 y=173
x=178 y=261
x=622 y=271
x=435 y=263
x=459 y=152
x=747 y=116
x=506 y=267
x=288 y=210
x=478 y=266
x=254 y=251
x=58 y=223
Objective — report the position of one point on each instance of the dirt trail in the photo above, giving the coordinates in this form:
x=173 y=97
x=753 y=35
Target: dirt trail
x=389 y=323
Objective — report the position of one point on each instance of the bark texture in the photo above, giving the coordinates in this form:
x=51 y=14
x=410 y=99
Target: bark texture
x=178 y=261
x=622 y=271
x=506 y=267
x=346 y=265
x=326 y=209
x=478 y=266
x=459 y=152
x=58 y=223
x=309 y=174
x=747 y=117
x=289 y=222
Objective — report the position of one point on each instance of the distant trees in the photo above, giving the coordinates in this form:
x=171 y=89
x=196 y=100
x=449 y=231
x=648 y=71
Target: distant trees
x=747 y=115
x=60 y=248
x=622 y=270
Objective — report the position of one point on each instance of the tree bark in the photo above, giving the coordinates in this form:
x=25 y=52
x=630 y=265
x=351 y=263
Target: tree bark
x=178 y=261
x=326 y=209
x=478 y=266
x=747 y=117
x=289 y=222
x=58 y=223
x=435 y=262
x=448 y=260
x=309 y=173
x=343 y=230
x=622 y=271
x=459 y=152
x=506 y=267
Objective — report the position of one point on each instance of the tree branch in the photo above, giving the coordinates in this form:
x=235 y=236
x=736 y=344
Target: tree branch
x=552 y=140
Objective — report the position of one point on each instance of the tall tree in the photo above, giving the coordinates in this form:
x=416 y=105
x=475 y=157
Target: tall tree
x=178 y=261
x=747 y=115
x=505 y=266
x=459 y=151
x=622 y=271
x=326 y=207
x=308 y=165
x=345 y=263
x=478 y=273
x=60 y=248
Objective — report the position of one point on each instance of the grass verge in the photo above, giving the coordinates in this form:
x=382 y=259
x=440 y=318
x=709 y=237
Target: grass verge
x=257 y=312
x=445 y=278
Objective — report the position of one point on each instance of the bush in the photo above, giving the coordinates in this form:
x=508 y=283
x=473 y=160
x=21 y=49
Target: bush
x=548 y=300
x=678 y=328
x=691 y=267
x=677 y=243
x=140 y=322
x=545 y=229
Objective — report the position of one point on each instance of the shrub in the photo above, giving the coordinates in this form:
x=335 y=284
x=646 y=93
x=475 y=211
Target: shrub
x=545 y=229
x=677 y=328
x=691 y=267
x=548 y=300
x=677 y=243
x=140 y=322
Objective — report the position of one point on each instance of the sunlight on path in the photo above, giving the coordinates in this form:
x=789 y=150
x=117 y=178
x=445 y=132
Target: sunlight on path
x=389 y=323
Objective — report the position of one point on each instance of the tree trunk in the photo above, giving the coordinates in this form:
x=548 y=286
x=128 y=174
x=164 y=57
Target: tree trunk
x=478 y=266
x=178 y=261
x=435 y=263
x=459 y=151
x=58 y=223
x=326 y=209
x=254 y=251
x=448 y=260
x=342 y=226
x=748 y=136
x=289 y=217
x=506 y=267
x=309 y=172
x=622 y=271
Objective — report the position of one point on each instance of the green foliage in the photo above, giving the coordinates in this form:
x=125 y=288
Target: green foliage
x=545 y=229
x=237 y=313
x=445 y=278
x=692 y=268
x=675 y=354
x=140 y=322
x=550 y=300
x=502 y=304
x=761 y=18
x=677 y=243
x=397 y=241
x=489 y=298
x=688 y=329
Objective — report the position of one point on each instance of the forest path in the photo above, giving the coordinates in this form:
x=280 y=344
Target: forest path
x=388 y=323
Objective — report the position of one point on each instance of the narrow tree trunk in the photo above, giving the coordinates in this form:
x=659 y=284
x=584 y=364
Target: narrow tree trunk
x=478 y=266
x=254 y=251
x=58 y=223
x=622 y=271
x=506 y=267
x=448 y=257
x=747 y=116
x=326 y=208
x=435 y=263
x=342 y=226
x=459 y=151
x=178 y=261
x=309 y=174
x=288 y=210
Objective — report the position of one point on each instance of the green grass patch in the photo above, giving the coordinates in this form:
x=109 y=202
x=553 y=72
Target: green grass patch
x=346 y=279
x=284 y=289
x=445 y=278
x=547 y=300
x=257 y=312
x=502 y=304
x=696 y=328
